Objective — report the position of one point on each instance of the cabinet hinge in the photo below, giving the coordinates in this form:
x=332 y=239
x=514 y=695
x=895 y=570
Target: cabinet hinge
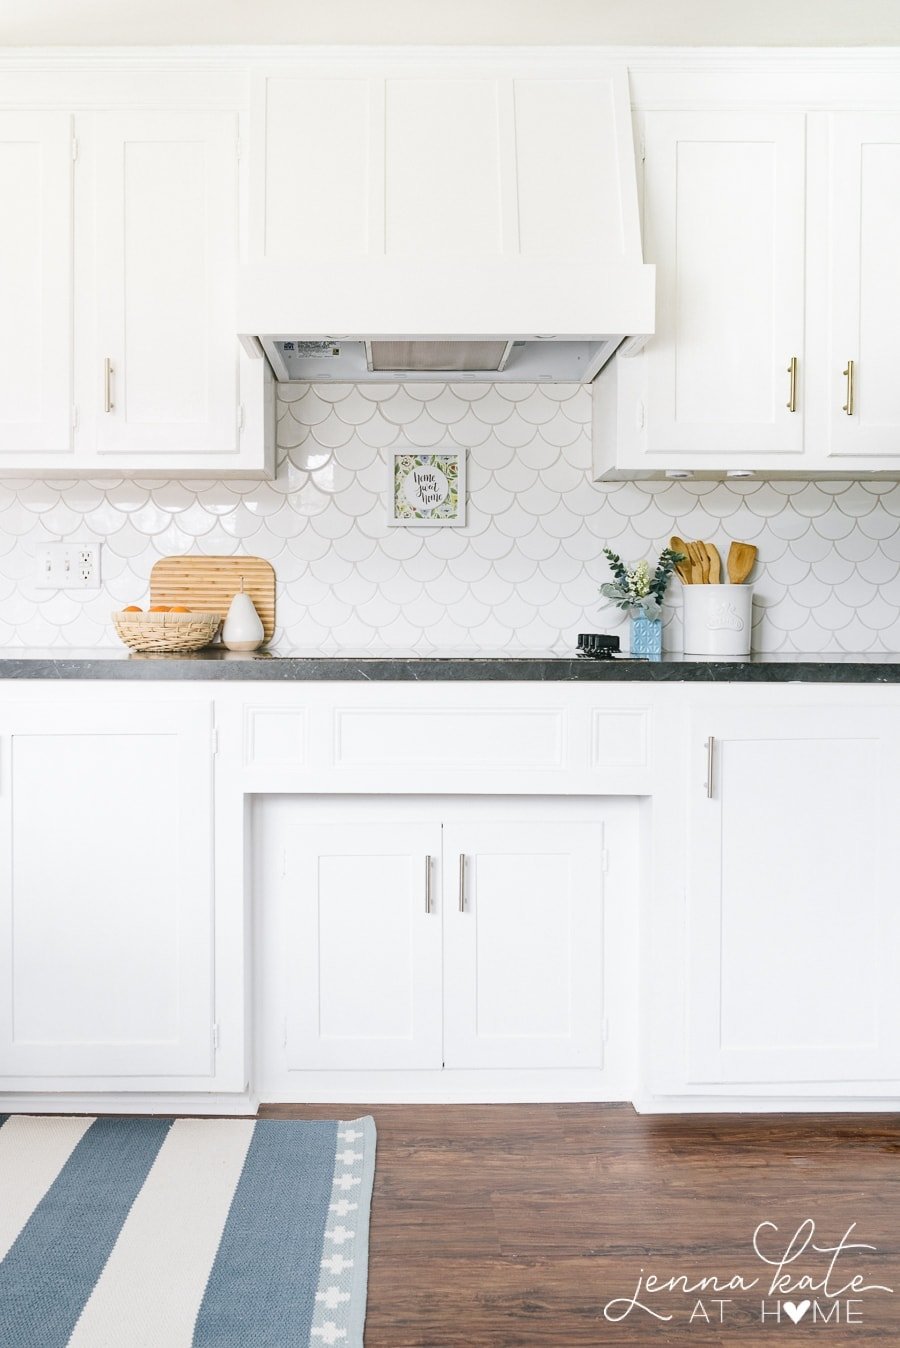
x=240 y=416
x=74 y=147
x=74 y=418
x=643 y=147
x=605 y=1029
x=639 y=414
x=604 y=860
x=237 y=148
x=214 y=740
x=216 y=1035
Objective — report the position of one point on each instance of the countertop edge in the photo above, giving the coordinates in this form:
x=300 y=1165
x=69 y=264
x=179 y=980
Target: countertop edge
x=287 y=669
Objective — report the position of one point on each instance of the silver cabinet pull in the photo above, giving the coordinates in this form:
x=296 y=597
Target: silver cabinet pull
x=428 y=884
x=107 y=385
x=792 y=395
x=710 y=759
x=462 y=882
x=851 y=390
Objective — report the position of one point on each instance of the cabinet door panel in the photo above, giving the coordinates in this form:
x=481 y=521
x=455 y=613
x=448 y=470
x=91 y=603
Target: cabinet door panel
x=524 y=960
x=35 y=284
x=165 y=206
x=106 y=913
x=363 y=953
x=864 y=283
x=792 y=926
x=724 y=207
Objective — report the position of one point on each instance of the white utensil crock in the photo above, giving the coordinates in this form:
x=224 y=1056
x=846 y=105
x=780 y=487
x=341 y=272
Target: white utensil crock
x=717 y=619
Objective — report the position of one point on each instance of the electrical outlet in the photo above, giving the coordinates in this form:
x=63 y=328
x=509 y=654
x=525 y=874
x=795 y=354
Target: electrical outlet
x=67 y=566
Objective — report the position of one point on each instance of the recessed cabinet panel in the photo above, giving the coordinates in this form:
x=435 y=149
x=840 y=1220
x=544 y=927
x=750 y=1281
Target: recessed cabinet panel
x=35 y=283
x=791 y=918
x=317 y=174
x=566 y=150
x=106 y=891
x=362 y=963
x=864 y=285
x=165 y=355
x=724 y=210
x=442 y=167
x=523 y=921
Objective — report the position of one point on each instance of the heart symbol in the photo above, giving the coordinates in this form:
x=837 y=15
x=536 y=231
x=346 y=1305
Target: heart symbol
x=795 y=1312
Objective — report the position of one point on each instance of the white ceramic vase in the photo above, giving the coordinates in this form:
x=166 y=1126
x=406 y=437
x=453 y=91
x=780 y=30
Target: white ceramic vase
x=243 y=629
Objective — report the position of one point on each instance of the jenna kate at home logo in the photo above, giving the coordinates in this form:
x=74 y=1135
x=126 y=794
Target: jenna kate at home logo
x=800 y=1277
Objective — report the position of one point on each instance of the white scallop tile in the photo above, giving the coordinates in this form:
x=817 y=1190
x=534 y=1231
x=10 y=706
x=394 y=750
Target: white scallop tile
x=523 y=573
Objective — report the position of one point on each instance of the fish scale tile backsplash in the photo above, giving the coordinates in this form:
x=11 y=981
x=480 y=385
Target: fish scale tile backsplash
x=522 y=574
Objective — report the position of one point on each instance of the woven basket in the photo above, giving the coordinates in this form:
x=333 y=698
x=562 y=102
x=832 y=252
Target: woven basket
x=166 y=631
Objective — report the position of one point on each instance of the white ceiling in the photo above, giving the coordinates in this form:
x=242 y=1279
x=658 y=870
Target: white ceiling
x=664 y=22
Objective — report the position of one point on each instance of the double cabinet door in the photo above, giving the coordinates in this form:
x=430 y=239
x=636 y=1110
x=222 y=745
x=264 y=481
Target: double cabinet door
x=118 y=257
x=422 y=943
x=778 y=284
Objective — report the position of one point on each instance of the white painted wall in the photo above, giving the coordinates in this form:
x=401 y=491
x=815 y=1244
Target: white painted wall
x=651 y=22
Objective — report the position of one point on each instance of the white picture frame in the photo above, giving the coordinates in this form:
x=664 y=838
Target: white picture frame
x=427 y=488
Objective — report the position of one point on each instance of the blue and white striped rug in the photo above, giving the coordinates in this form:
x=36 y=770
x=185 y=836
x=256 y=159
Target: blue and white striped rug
x=186 y=1233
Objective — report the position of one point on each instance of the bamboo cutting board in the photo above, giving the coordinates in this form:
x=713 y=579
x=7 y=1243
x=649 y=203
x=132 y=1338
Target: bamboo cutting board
x=208 y=585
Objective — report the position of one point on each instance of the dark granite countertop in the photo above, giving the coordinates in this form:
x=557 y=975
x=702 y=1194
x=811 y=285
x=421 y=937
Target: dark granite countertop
x=292 y=665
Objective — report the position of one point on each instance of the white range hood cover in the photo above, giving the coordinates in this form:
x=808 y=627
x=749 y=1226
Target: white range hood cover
x=486 y=212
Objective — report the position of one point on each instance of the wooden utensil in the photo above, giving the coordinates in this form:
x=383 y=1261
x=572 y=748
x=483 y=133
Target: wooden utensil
x=208 y=585
x=696 y=567
x=715 y=563
x=683 y=568
x=741 y=557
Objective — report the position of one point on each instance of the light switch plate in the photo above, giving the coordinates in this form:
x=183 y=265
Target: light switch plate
x=67 y=566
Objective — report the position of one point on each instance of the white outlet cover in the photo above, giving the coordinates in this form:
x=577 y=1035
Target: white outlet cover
x=67 y=566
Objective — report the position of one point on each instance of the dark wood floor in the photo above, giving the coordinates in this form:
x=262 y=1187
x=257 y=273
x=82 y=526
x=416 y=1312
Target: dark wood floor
x=504 y=1226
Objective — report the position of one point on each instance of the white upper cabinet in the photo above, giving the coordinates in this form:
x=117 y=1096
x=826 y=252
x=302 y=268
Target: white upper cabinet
x=778 y=282
x=118 y=258
x=724 y=209
x=719 y=385
x=161 y=361
x=35 y=284
x=860 y=389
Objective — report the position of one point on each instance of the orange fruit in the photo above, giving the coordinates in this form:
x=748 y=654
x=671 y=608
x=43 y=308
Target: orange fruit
x=132 y=608
x=159 y=608
x=179 y=608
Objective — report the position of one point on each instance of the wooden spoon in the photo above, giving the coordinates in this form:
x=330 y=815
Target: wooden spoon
x=683 y=568
x=715 y=563
x=741 y=557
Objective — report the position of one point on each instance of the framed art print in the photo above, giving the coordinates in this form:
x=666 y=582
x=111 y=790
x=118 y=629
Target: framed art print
x=428 y=488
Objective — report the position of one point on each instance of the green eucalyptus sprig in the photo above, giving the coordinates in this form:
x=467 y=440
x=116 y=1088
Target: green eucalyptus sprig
x=638 y=590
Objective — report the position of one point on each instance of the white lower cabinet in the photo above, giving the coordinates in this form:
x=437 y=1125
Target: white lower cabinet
x=106 y=915
x=429 y=934
x=523 y=943
x=793 y=925
x=363 y=951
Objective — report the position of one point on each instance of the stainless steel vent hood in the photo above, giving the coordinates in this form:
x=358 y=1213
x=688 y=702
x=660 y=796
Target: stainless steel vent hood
x=471 y=224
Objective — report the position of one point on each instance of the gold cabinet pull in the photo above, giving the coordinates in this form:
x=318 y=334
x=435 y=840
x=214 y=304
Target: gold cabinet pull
x=710 y=761
x=792 y=394
x=462 y=882
x=849 y=375
x=107 y=385
x=428 y=884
